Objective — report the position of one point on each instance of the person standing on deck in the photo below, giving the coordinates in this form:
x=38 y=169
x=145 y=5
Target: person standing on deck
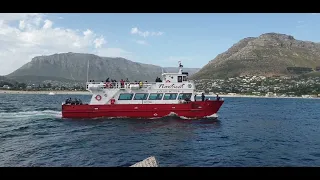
x=203 y=96
x=122 y=83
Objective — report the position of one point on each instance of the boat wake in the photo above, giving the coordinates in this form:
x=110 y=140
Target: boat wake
x=170 y=115
x=30 y=115
x=173 y=114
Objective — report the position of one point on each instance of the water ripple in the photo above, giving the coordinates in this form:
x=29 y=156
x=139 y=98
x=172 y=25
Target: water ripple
x=248 y=132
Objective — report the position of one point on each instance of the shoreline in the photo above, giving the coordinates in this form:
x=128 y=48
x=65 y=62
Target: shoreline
x=44 y=92
x=252 y=96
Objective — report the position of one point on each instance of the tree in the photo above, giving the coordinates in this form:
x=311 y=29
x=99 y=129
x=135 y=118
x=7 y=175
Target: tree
x=22 y=85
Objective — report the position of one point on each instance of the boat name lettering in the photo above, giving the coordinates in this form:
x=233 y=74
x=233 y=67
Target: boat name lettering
x=172 y=86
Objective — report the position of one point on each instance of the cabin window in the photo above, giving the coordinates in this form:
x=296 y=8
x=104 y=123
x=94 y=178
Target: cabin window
x=183 y=96
x=170 y=96
x=125 y=96
x=185 y=78
x=155 y=96
x=179 y=78
x=140 y=96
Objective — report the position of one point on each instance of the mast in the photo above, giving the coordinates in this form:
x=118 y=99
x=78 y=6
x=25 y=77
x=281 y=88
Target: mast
x=180 y=67
x=88 y=70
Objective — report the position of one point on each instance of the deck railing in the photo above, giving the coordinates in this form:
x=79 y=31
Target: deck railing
x=119 y=85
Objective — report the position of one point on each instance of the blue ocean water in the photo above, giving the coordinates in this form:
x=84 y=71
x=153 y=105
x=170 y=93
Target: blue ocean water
x=248 y=132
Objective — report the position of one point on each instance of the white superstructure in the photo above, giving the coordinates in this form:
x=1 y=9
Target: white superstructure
x=174 y=88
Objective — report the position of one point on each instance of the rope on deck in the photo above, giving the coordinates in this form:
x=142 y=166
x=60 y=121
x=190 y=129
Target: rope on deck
x=149 y=162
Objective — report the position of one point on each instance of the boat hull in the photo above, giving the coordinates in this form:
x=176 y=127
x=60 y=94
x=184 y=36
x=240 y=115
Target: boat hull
x=198 y=109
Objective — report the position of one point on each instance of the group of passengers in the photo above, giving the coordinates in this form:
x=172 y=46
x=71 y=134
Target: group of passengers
x=73 y=102
x=110 y=83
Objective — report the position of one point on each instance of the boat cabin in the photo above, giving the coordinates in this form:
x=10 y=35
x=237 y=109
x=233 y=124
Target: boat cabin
x=179 y=77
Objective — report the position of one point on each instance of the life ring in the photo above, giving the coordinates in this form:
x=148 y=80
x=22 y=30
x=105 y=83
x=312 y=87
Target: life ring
x=167 y=81
x=98 y=97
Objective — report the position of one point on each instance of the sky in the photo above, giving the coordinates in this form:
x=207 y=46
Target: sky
x=161 y=39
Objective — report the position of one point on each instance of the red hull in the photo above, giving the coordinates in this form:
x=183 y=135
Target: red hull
x=198 y=109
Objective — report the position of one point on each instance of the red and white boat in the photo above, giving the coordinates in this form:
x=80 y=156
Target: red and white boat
x=174 y=95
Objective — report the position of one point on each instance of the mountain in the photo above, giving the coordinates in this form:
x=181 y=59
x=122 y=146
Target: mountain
x=73 y=67
x=6 y=81
x=269 y=54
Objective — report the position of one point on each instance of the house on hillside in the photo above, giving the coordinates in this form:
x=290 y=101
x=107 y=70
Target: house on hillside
x=5 y=87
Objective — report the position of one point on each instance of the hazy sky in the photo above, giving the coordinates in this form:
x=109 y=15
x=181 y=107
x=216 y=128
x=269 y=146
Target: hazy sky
x=160 y=39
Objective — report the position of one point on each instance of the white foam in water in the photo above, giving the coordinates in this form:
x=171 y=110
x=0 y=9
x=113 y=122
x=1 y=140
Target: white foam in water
x=30 y=114
x=212 y=116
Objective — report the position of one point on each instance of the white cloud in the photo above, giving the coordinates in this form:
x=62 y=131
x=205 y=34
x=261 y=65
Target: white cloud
x=22 y=25
x=36 y=35
x=135 y=30
x=142 y=42
x=60 y=18
x=314 y=13
x=99 y=42
x=18 y=16
x=47 y=24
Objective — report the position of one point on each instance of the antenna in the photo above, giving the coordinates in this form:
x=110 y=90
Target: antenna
x=180 y=67
x=88 y=70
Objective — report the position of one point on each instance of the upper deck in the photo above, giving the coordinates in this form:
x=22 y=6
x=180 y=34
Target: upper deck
x=98 y=86
x=169 y=81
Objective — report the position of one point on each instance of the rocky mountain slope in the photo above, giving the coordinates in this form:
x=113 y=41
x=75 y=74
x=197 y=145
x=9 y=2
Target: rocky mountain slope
x=268 y=55
x=73 y=67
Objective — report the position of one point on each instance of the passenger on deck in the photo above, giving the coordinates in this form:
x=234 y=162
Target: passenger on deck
x=195 y=97
x=187 y=98
x=218 y=98
x=68 y=101
x=203 y=96
x=89 y=80
x=122 y=83
x=127 y=80
x=72 y=102
x=107 y=80
x=140 y=84
x=76 y=101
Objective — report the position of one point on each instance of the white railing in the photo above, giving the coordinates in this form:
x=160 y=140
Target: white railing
x=127 y=85
x=117 y=85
